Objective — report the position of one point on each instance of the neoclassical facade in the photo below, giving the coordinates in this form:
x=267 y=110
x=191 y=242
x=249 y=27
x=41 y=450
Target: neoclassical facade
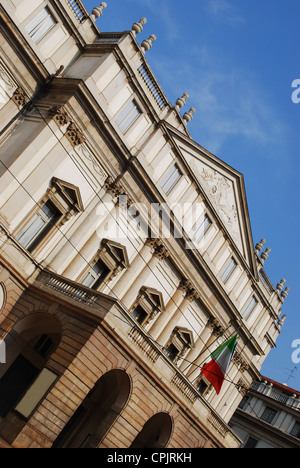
x=126 y=254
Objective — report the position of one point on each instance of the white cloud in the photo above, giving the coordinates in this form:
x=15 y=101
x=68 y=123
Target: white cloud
x=228 y=105
x=235 y=105
x=225 y=12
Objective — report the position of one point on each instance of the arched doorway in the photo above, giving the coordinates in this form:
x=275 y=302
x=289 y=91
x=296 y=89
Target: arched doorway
x=156 y=433
x=29 y=346
x=95 y=416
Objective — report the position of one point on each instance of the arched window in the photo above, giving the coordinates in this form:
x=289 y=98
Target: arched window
x=97 y=413
x=156 y=433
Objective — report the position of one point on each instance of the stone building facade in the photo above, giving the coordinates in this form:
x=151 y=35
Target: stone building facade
x=126 y=254
x=268 y=416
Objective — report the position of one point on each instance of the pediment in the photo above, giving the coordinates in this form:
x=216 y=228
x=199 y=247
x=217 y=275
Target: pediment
x=117 y=250
x=224 y=190
x=185 y=335
x=69 y=192
x=221 y=192
x=154 y=297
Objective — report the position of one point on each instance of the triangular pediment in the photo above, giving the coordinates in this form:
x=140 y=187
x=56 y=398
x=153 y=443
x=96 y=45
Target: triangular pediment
x=185 y=335
x=117 y=250
x=70 y=192
x=223 y=188
x=154 y=297
x=221 y=192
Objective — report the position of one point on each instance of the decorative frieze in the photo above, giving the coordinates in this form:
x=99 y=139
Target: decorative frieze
x=242 y=387
x=190 y=291
x=88 y=156
x=239 y=361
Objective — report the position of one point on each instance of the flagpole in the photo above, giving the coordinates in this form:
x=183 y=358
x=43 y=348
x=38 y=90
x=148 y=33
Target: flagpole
x=207 y=349
x=201 y=365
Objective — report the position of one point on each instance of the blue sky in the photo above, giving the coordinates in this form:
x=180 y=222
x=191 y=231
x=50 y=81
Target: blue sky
x=237 y=60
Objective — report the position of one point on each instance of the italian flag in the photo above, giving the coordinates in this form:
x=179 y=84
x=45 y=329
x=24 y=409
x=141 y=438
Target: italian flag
x=217 y=368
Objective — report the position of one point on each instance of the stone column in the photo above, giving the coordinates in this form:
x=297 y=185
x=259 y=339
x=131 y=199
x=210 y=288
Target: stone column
x=165 y=317
x=178 y=312
x=136 y=268
x=159 y=252
x=67 y=260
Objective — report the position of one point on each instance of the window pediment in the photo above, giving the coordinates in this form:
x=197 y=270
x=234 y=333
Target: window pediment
x=66 y=196
x=185 y=336
x=115 y=253
x=181 y=340
x=148 y=305
x=153 y=297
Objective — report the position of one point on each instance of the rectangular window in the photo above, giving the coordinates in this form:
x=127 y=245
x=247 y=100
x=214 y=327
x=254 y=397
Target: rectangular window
x=129 y=115
x=40 y=25
x=249 y=307
x=244 y=402
x=251 y=443
x=95 y=275
x=228 y=270
x=172 y=352
x=140 y=315
x=38 y=226
x=268 y=415
x=201 y=228
x=170 y=179
x=296 y=430
x=202 y=387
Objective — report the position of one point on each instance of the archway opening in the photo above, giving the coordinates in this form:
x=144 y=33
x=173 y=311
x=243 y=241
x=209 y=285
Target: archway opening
x=156 y=433
x=97 y=413
x=29 y=347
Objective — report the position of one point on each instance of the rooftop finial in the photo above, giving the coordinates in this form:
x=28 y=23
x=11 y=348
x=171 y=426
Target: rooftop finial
x=181 y=102
x=284 y=293
x=138 y=27
x=98 y=11
x=265 y=254
x=188 y=116
x=282 y=320
x=147 y=43
x=280 y=285
x=260 y=246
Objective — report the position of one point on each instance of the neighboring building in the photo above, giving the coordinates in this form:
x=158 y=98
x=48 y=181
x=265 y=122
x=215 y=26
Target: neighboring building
x=110 y=301
x=269 y=416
